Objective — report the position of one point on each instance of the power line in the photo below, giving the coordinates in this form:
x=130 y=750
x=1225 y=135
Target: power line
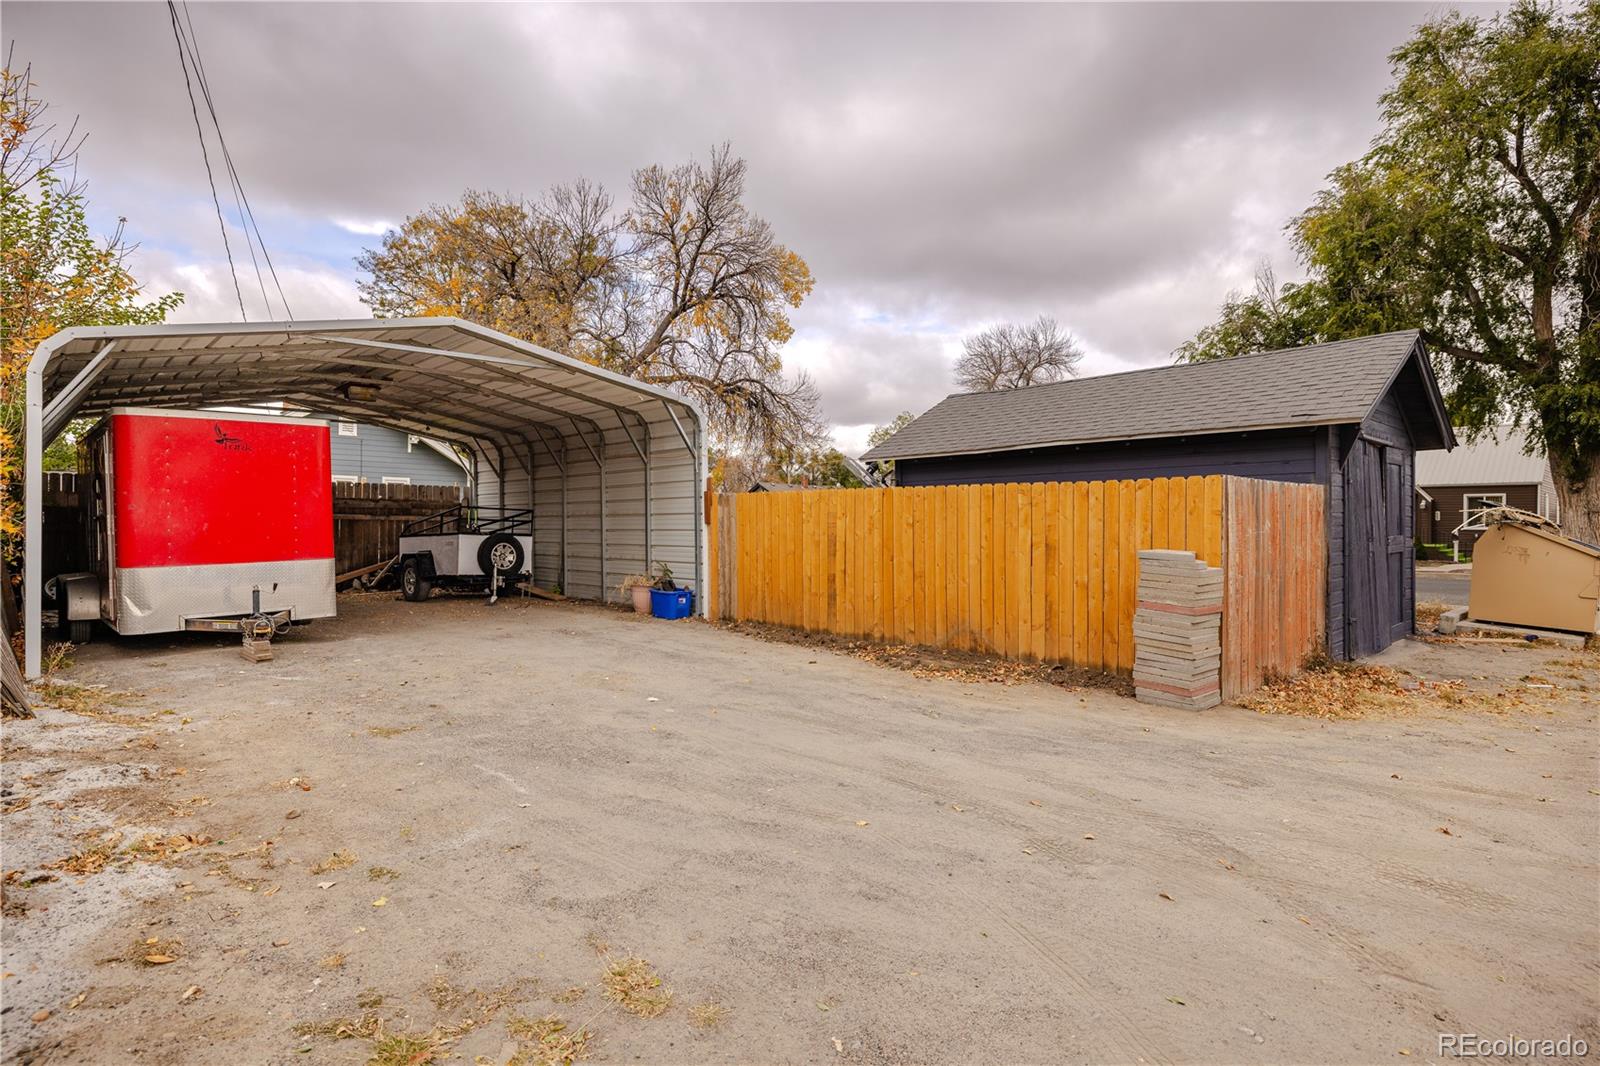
x=247 y=212
x=183 y=62
x=205 y=94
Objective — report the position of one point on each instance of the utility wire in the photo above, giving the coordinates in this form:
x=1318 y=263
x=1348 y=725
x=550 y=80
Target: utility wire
x=233 y=180
x=247 y=211
x=183 y=62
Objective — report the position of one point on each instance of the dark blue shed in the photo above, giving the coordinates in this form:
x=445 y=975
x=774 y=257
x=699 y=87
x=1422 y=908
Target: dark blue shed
x=1349 y=415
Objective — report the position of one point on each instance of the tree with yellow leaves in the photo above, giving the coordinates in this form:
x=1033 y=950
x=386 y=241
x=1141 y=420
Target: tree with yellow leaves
x=53 y=272
x=687 y=288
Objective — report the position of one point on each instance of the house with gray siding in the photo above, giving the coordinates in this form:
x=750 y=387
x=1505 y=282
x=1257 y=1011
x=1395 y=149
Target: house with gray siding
x=1349 y=415
x=362 y=452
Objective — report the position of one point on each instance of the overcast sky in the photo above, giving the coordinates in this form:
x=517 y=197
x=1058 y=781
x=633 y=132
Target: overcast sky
x=941 y=168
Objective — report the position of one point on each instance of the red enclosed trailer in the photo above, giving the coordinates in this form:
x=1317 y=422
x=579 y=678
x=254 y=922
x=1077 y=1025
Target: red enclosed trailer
x=198 y=519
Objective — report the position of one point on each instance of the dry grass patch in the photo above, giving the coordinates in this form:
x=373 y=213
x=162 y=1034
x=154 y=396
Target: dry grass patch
x=552 y=1042
x=405 y=1049
x=1330 y=689
x=150 y=951
x=708 y=1015
x=339 y=860
x=948 y=663
x=97 y=850
x=635 y=985
x=153 y=847
x=90 y=701
x=570 y=995
x=363 y=1028
x=332 y=962
x=389 y=732
x=382 y=873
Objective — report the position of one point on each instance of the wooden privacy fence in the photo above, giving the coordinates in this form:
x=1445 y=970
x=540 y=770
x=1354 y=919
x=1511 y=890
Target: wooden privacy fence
x=1043 y=571
x=367 y=518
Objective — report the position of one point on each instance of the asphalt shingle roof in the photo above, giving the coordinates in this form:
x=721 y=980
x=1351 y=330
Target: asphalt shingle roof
x=1319 y=384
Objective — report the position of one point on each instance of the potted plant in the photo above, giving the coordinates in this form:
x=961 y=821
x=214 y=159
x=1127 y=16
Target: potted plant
x=637 y=586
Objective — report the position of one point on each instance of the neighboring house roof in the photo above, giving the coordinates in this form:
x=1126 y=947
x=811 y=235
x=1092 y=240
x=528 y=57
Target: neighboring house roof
x=445 y=450
x=775 y=486
x=1320 y=384
x=1499 y=459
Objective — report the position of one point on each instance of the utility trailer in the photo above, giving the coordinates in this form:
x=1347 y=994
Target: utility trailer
x=466 y=548
x=203 y=521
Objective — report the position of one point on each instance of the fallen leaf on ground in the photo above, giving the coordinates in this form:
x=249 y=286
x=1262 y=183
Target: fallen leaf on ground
x=1035 y=803
x=77 y=1000
x=861 y=825
x=1166 y=897
x=190 y=993
x=1028 y=851
x=957 y=807
x=160 y=960
x=1445 y=830
x=40 y=1016
x=1088 y=836
x=326 y=884
x=838 y=1045
x=1175 y=999
x=1303 y=918
x=381 y=901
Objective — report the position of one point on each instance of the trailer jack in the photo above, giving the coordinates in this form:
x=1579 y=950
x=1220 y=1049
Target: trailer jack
x=257 y=628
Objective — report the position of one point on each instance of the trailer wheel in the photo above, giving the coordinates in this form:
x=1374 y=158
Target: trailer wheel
x=81 y=632
x=413 y=584
x=501 y=553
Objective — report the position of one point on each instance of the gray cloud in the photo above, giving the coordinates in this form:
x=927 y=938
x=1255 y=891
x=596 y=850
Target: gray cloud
x=940 y=167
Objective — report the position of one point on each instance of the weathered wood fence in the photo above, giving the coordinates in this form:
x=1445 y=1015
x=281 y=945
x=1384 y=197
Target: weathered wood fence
x=1042 y=571
x=367 y=518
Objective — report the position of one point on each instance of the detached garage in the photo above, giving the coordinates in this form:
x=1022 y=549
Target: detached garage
x=611 y=467
x=1348 y=415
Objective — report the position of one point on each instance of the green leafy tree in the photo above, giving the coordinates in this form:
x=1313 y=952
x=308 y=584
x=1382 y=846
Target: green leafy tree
x=1475 y=217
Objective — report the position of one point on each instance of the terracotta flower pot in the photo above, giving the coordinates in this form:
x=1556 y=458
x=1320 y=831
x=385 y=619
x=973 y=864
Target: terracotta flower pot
x=641 y=598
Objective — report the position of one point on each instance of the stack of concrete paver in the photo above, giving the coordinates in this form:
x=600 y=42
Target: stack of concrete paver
x=1177 y=631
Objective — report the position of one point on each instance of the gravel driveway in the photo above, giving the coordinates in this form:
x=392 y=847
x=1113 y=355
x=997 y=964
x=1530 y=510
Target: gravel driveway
x=853 y=863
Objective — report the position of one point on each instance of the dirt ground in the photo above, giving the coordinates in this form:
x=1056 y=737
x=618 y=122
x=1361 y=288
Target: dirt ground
x=449 y=820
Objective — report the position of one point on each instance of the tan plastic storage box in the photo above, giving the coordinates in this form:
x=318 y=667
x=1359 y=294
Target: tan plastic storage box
x=1523 y=576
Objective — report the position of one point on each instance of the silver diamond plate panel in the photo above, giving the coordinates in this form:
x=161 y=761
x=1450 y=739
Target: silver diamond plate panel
x=156 y=599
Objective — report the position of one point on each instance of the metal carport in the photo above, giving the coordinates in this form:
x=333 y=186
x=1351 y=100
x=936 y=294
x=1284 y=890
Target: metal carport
x=612 y=467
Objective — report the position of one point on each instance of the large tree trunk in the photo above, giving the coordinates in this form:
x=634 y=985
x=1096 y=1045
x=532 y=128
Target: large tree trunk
x=1579 y=496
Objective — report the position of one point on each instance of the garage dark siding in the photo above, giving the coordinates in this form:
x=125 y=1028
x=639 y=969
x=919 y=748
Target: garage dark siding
x=1447 y=501
x=1278 y=456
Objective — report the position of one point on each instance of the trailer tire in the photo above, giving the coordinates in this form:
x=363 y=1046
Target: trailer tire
x=413 y=585
x=80 y=632
x=501 y=552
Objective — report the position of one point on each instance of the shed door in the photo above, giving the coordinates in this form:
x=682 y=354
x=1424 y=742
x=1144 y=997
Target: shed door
x=1396 y=499
x=1377 y=547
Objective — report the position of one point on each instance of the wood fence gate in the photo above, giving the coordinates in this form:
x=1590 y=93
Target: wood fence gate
x=1043 y=571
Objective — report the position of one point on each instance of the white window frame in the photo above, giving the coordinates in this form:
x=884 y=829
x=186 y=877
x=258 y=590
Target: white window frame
x=1468 y=512
x=397 y=481
x=344 y=479
x=347 y=429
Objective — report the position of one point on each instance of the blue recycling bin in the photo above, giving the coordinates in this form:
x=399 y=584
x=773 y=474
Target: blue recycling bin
x=671 y=603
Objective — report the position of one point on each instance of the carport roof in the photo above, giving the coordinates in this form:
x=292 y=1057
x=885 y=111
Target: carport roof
x=440 y=377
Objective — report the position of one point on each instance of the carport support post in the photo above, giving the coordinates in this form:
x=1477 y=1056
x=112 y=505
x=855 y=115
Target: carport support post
x=33 y=518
